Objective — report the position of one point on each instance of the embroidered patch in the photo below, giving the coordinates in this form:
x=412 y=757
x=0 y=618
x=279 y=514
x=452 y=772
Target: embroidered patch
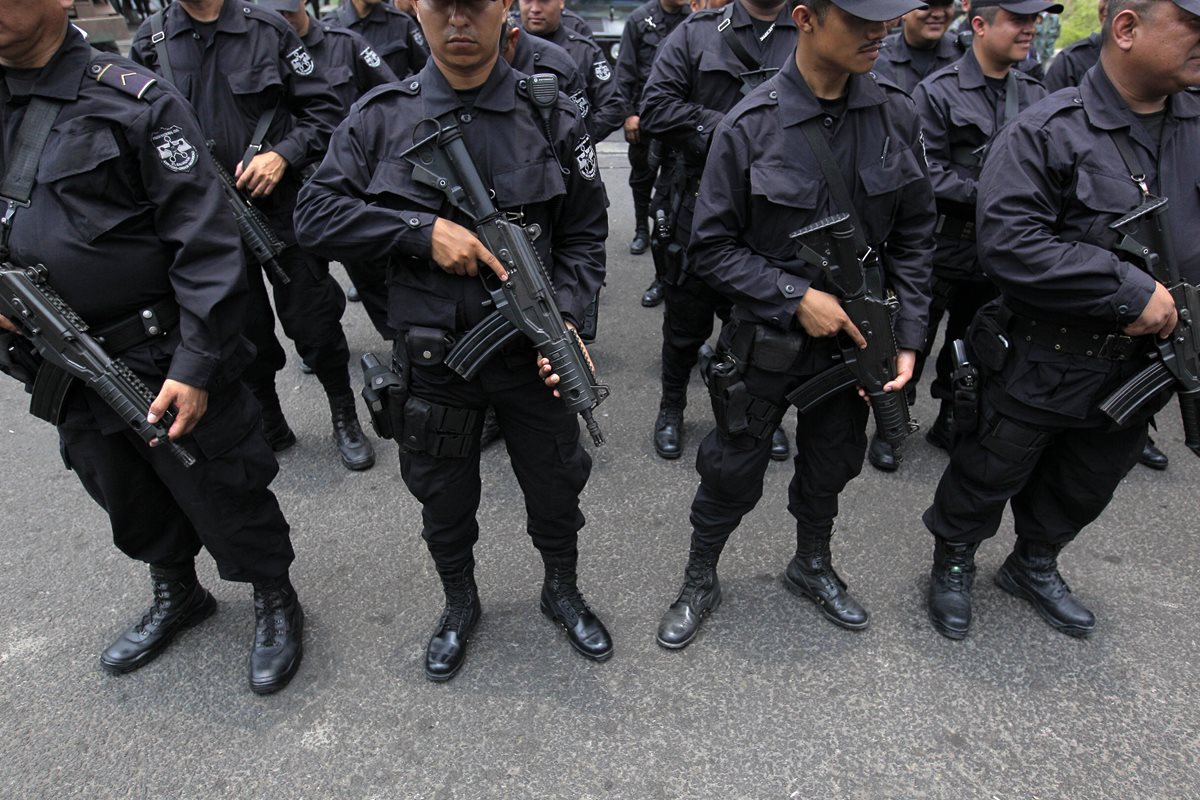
x=301 y=61
x=419 y=38
x=581 y=100
x=602 y=70
x=174 y=150
x=371 y=58
x=585 y=158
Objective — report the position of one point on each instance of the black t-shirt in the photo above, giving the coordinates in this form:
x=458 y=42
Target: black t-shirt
x=761 y=26
x=1153 y=123
x=206 y=30
x=20 y=81
x=923 y=60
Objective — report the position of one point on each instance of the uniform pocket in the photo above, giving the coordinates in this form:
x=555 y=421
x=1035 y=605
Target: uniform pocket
x=1058 y=382
x=93 y=192
x=395 y=179
x=1109 y=197
x=528 y=183
x=882 y=181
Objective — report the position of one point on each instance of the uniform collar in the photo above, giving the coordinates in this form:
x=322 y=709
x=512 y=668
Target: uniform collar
x=61 y=77
x=798 y=104
x=231 y=19
x=970 y=74
x=498 y=92
x=1107 y=110
x=902 y=50
x=316 y=34
x=348 y=16
x=741 y=17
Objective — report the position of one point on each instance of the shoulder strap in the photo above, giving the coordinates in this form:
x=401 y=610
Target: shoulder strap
x=725 y=28
x=27 y=153
x=833 y=178
x=1120 y=138
x=260 y=133
x=1011 y=98
x=158 y=38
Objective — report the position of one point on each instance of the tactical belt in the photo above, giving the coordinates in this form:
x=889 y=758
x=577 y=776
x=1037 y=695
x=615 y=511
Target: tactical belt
x=1075 y=341
x=152 y=322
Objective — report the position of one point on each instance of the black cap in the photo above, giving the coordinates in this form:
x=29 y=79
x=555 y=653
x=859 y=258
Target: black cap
x=879 y=10
x=1190 y=6
x=281 y=5
x=1021 y=7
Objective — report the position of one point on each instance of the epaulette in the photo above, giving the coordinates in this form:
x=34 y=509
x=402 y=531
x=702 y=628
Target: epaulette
x=122 y=78
x=887 y=83
x=262 y=14
x=410 y=87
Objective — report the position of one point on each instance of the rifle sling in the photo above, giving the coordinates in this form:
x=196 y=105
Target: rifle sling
x=833 y=178
x=27 y=154
x=725 y=28
x=1120 y=138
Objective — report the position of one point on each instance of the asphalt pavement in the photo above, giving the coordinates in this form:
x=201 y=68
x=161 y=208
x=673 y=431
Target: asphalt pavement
x=771 y=701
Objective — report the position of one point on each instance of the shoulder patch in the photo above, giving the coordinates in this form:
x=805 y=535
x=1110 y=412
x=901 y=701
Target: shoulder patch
x=122 y=78
x=585 y=158
x=174 y=150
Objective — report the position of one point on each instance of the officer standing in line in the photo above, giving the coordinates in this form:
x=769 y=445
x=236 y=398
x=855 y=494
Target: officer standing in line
x=269 y=113
x=364 y=198
x=396 y=36
x=646 y=27
x=821 y=128
x=605 y=114
x=920 y=48
x=1053 y=182
x=352 y=68
x=696 y=78
x=962 y=106
x=123 y=213
x=1074 y=60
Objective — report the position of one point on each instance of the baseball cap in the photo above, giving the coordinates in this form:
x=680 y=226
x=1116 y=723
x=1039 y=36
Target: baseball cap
x=281 y=5
x=1023 y=7
x=880 y=10
x=1190 y=6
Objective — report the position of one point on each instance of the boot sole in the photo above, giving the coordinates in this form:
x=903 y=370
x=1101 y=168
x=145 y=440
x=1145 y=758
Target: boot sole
x=781 y=456
x=358 y=466
x=286 y=678
x=667 y=456
x=680 y=645
x=201 y=613
x=1005 y=582
x=950 y=633
x=802 y=591
x=590 y=656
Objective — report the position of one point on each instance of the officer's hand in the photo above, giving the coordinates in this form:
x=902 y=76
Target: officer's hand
x=1159 y=316
x=458 y=251
x=633 y=128
x=262 y=175
x=906 y=363
x=6 y=325
x=190 y=404
x=551 y=378
x=821 y=315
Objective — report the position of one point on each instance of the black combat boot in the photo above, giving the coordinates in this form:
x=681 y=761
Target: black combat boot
x=941 y=432
x=641 y=231
x=1031 y=572
x=352 y=444
x=447 y=648
x=811 y=574
x=950 y=583
x=278 y=636
x=562 y=603
x=780 y=449
x=700 y=596
x=654 y=294
x=275 y=426
x=668 y=433
x=882 y=455
x=1152 y=457
x=179 y=602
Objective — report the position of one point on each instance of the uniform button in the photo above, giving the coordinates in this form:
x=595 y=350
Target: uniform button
x=426 y=355
x=522 y=84
x=537 y=56
x=1124 y=309
x=465 y=119
x=827 y=122
x=152 y=330
x=96 y=67
x=147 y=314
x=195 y=35
x=415 y=222
x=700 y=128
x=414 y=85
x=789 y=288
x=774 y=95
x=1078 y=101
x=245 y=10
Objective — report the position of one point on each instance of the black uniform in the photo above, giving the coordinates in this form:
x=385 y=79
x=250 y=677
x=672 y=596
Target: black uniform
x=605 y=113
x=761 y=183
x=695 y=80
x=126 y=217
x=363 y=200
x=396 y=36
x=353 y=68
x=253 y=64
x=1053 y=182
x=906 y=66
x=646 y=27
x=961 y=111
x=1072 y=61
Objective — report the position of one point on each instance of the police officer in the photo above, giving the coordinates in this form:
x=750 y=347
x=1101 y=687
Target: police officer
x=962 y=106
x=124 y=214
x=269 y=112
x=1072 y=61
x=352 y=68
x=702 y=70
x=396 y=36
x=605 y=113
x=920 y=48
x=646 y=27
x=1054 y=181
x=821 y=128
x=364 y=198
x=533 y=54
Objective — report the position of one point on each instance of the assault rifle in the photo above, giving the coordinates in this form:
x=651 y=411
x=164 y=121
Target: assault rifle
x=68 y=352
x=524 y=304
x=254 y=228
x=1146 y=240
x=829 y=244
